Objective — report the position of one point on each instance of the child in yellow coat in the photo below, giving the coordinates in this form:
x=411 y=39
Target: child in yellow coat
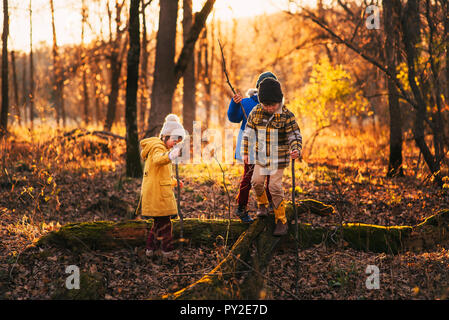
x=158 y=199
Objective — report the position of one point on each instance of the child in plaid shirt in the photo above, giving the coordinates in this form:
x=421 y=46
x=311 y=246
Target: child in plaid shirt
x=274 y=133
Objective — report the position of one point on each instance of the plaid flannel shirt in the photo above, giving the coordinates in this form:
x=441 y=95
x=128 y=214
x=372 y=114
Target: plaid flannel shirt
x=272 y=136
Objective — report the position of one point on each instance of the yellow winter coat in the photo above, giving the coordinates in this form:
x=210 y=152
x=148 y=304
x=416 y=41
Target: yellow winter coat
x=158 y=198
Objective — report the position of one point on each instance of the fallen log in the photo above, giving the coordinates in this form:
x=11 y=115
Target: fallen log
x=254 y=244
x=108 y=235
x=221 y=282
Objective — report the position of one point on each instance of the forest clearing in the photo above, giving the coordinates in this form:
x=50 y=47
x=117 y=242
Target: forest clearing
x=52 y=185
x=128 y=134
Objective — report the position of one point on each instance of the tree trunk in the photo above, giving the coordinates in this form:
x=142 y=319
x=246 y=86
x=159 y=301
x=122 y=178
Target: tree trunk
x=115 y=61
x=188 y=98
x=411 y=36
x=437 y=118
x=164 y=70
x=391 y=21
x=84 y=66
x=206 y=79
x=5 y=78
x=166 y=73
x=58 y=80
x=446 y=31
x=15 y=87
x=144 y=70
x=25 y=92
x=98 y=92
x=133 y=166
x=31 y=95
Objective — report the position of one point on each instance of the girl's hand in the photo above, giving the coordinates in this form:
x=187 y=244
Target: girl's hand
x=174 y=153
x=181 y=184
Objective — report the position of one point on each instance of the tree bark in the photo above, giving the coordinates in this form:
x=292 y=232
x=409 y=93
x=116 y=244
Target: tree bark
x=58 y=79
x=164 y=70
x=391 y=21
x=84 y=65
x=25 y=93
x=143 y=106
x=188 y=98
x=166 y=73
x=133 y=166
x=411 y=36
x=115 y=61
x=15 y=87
x=31 y=95
x=5 y=78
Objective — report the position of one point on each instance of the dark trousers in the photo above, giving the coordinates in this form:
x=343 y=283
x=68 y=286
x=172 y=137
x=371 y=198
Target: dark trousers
x=160 y=235
x=245 y=186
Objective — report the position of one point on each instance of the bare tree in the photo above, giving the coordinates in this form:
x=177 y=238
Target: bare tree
x=115 y=58
x=25 y=93
x=167 y=73
x=58 y=78
x=144 y=94
x=15 y=86
x=188 y=101
x=133 y=166
x=391 y=18
x=424 y=92
x=83 y=59
x=5 y=80
x=31 y=95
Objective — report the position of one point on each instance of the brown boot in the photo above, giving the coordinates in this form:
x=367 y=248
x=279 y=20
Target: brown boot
x=281 y=229
x=281 y=220
x=262 y=211
x=262 y=205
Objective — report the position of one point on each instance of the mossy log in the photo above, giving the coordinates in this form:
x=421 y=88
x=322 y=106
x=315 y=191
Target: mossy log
x=253 y=245
x=221 y=282
x=108 y=235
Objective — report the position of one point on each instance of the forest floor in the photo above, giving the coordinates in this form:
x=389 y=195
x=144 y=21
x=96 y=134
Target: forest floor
x=46 y=182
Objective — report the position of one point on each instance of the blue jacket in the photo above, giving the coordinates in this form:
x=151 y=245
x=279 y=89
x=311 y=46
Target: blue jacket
x=235 y=115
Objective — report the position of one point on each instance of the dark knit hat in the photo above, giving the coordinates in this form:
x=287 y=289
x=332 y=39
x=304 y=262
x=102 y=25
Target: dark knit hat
x=270 y=91
x=264 y=75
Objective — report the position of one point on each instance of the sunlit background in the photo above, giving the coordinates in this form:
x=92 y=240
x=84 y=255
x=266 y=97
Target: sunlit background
x=68 y=18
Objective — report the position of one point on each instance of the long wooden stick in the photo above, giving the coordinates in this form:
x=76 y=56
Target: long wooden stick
x=296 y=224
x=178 y=191
x=227 y=78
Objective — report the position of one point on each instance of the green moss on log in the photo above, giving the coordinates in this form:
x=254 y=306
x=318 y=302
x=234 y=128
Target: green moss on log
x=221 y=282
x=107 y=235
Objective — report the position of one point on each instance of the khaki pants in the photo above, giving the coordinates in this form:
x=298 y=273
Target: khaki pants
x=275 y=186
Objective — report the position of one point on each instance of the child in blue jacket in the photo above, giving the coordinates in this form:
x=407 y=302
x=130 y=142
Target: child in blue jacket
x=236 y=115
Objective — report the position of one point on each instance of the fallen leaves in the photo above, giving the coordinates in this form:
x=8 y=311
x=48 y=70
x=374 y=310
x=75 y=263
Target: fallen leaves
x=45 y=195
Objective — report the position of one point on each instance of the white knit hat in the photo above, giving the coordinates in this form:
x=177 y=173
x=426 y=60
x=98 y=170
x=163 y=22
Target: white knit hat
x=172 y=126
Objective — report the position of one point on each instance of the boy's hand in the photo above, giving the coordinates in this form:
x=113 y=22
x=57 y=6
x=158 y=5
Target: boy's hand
x=245 y=159
x=181 y=184
x=237 y=97
x=294 y=154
